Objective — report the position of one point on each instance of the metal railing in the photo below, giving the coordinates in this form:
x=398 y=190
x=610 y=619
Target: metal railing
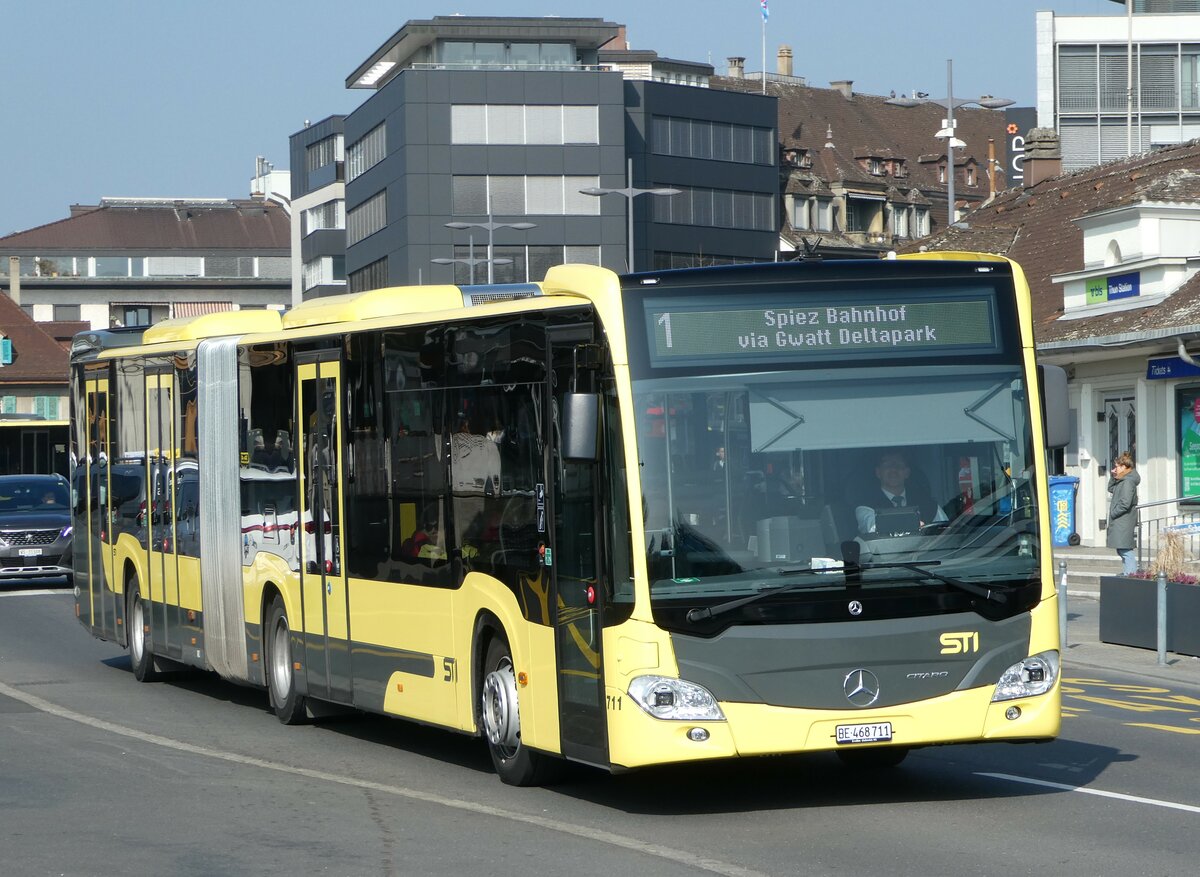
x=1151 y=527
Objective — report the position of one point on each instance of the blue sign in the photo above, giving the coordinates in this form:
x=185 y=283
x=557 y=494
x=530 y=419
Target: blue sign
x=1170 y=367
x=1124 y=286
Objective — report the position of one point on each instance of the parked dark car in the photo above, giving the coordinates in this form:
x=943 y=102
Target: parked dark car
x=35 y=527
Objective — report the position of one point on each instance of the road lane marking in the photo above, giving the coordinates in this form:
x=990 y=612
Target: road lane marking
x=636 y=845
x=1120 y=796
x=1171 y=728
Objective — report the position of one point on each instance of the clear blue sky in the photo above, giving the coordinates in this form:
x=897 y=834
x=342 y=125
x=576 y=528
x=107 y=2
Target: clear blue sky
x=175 y=98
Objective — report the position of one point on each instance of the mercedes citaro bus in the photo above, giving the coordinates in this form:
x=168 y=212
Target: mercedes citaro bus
x=623 y=521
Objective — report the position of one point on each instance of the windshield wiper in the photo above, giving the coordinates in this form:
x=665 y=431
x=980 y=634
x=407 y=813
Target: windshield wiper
x=918 y=566
x=707 y=612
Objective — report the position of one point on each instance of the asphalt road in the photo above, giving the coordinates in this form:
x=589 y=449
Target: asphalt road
x=194 y=776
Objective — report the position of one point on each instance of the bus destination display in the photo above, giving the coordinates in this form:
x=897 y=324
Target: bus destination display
x=682 y=332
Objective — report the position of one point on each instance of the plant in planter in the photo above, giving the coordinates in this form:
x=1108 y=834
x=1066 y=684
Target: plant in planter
x=1129 y=604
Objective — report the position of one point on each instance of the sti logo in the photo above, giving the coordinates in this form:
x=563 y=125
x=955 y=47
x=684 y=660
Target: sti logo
x=960 y=643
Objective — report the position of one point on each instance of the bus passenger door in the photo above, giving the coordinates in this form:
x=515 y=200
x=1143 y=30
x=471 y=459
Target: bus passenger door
x=574 y=563
x=160 y=518
x=323 y=578
x=97 y=598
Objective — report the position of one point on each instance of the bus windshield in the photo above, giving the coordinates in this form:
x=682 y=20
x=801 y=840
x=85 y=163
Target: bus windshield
x=914 y=478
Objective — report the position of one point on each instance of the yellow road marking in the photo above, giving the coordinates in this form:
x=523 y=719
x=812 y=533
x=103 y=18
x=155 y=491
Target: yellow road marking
x=1171 y=728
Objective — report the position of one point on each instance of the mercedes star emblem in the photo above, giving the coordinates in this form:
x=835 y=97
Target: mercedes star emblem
x=861 y=687
x=855 y=607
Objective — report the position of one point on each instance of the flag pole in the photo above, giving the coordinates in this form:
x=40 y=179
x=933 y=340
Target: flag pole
x=764 y=47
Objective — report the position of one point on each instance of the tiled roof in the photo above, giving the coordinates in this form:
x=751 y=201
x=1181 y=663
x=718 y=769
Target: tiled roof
x=159 y=225
x=1034 y=226
x=37 y=357
x=866 y=125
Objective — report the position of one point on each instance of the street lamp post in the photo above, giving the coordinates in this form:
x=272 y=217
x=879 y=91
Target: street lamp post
x=471 y=261
x=491 y=227
x=947 y=132
x=630 y=192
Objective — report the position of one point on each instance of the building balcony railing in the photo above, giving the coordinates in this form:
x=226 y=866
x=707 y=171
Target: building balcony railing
x=518 y=68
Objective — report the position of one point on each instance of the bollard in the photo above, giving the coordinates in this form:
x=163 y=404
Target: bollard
x=1162 y=617
x=1062 y=605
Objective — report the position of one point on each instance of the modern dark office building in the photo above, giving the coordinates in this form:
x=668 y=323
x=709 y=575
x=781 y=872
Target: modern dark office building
x=490 y=123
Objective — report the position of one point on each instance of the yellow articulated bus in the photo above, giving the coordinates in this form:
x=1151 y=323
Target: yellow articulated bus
x=623 y=521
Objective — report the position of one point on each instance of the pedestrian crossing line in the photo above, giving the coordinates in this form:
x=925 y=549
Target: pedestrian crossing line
x=1172 y=728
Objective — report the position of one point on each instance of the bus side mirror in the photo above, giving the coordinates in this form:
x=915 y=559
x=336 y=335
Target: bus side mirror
x=1052 y=381
x=580 y=426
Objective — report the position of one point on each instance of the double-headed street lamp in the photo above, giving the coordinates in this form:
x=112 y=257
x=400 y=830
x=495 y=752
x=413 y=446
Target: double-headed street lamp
x=947 y=132
x=471 y=261
x=630 y=192
x=491 y=227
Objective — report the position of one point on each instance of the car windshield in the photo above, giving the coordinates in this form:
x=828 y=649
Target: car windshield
x=32 y=494
x=749 y=478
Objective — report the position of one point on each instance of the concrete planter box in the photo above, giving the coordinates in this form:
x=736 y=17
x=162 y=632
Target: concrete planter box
x=1129 y=613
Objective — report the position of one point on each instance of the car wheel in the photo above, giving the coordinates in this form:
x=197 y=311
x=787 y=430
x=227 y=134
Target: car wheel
x=290 y=707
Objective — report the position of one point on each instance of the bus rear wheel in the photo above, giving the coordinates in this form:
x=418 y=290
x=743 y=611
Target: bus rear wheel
x=500 y=721
x=290 y=707
x=140 y=654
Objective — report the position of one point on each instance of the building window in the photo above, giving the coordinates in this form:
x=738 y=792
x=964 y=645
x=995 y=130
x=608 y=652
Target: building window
x=875 y=167
x=970 y=176
x=519 y=196
x=365 y=153
x=550 y=124
x=900 y=221
x=46 y=406
x=135 y=315
x=716 y=208
x=323 y=152
x=331 y=214
x=373 y=276
x=8 y=404
x=521 y=56
x=861 y=214
x=325 y=271
x=66 y=313
x=366 y=219
x=942 y=172
x=112 y=266
x=824 y=215
x=801 y=210
x=922 y=222
x=171 y=266
x=720 y=141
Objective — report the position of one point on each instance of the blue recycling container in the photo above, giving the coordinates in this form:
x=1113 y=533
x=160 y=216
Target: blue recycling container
x=1063 y=489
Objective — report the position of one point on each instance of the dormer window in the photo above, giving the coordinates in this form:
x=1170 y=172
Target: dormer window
x=875 y=167
x=942 y=172
x=899 y=169
x=970 y=176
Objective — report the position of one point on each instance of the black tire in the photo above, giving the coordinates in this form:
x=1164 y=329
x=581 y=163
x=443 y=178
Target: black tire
x=500 y=723
x=141 y=655
x=876 y=758
x=290 y=707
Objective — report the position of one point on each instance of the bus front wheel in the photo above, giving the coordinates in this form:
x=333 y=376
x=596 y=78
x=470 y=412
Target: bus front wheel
x=140 y=654
x=289 y=706
x=500 y=720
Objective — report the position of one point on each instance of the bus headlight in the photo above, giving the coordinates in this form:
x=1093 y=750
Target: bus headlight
x=1032 y=676
x=666 y=698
